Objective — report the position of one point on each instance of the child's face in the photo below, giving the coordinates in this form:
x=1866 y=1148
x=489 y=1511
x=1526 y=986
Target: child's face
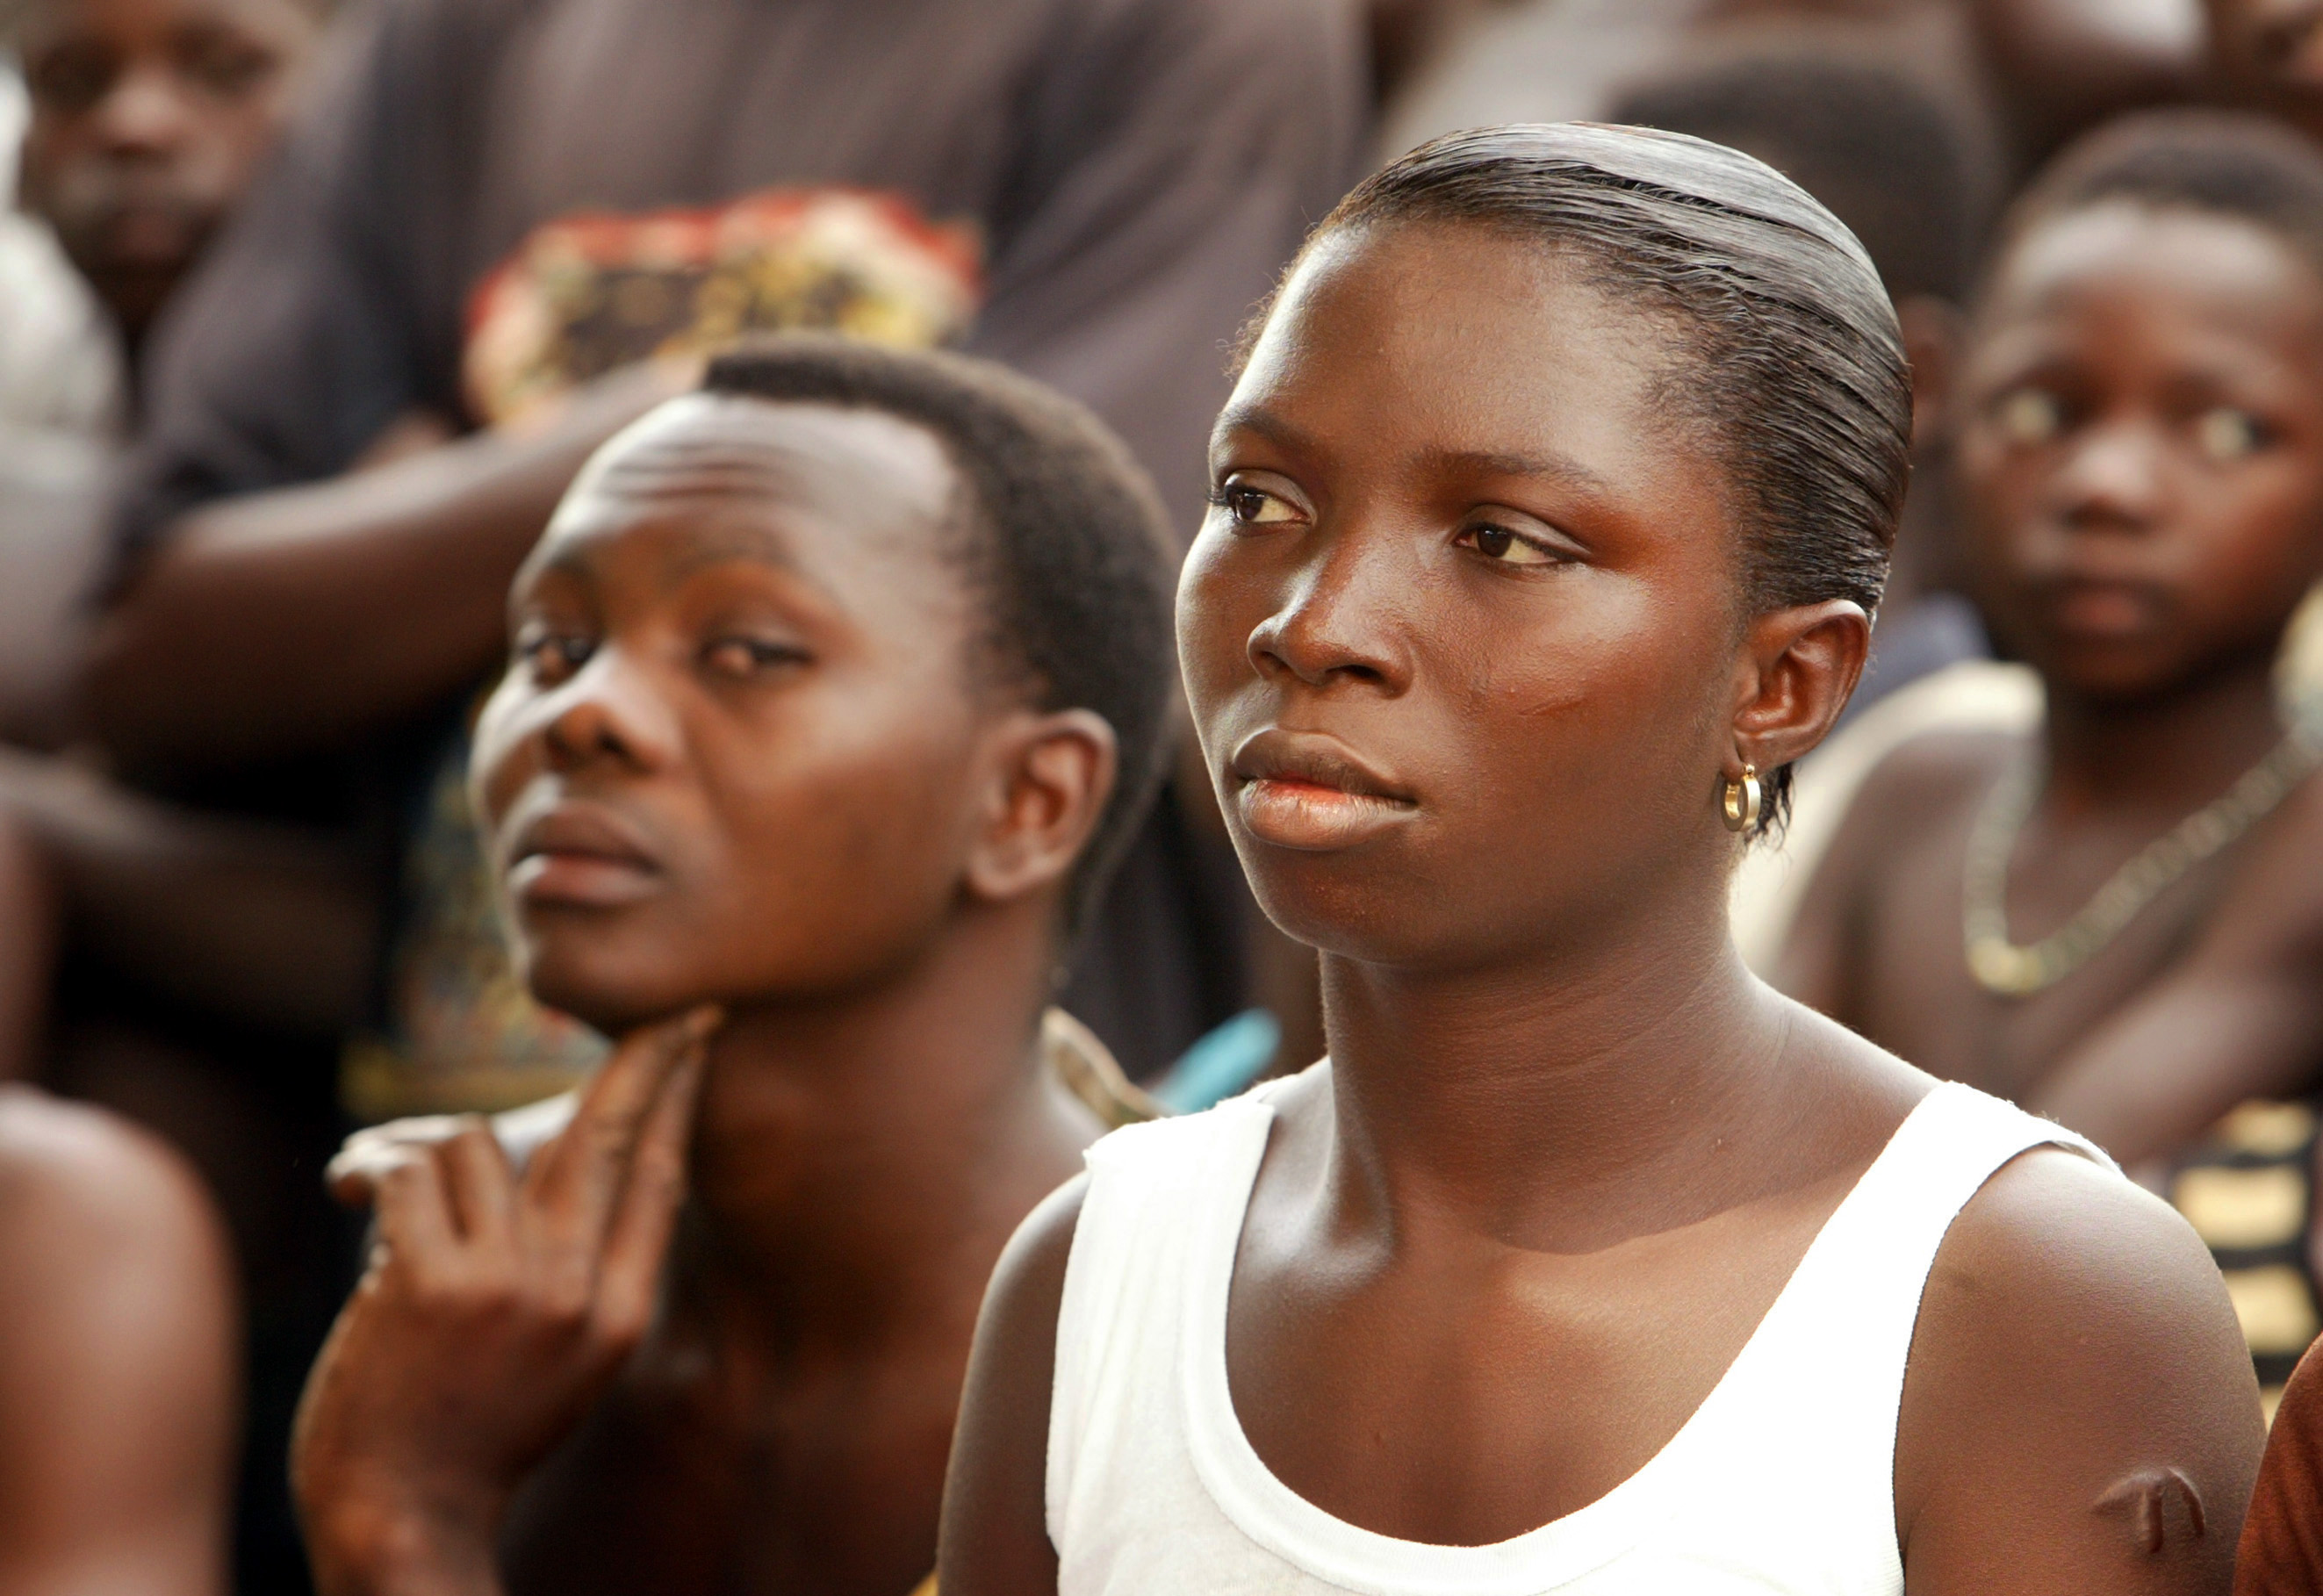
x=149 y=117
x=2142 y=446
x=733 y=754
x=1459 y=635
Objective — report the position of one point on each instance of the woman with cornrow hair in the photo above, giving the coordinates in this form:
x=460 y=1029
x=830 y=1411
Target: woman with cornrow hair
x=1550 y=512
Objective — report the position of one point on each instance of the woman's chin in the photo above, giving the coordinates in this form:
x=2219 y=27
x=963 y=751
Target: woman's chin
x=606 y=1001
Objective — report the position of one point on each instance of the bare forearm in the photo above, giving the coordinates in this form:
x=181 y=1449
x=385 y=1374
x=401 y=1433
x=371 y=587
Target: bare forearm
x=401 y=1554
x=262 y=921
x=289 y=620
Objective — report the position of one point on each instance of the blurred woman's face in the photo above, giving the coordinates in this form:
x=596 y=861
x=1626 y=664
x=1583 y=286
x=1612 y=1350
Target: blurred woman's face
x=735 y=754
x=2142 y=447
x=1458 y=633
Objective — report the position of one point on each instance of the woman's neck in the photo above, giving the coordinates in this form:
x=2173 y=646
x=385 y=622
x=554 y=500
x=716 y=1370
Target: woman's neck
x=2169 y=753
x=860 y=1160
x=1551 y=1099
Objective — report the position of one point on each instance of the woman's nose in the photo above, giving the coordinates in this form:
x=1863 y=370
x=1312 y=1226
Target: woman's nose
x=609 y=710
x=1342 y=620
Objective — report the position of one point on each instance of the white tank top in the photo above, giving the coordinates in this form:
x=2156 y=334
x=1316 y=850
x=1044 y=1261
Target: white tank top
x=1782 y=1481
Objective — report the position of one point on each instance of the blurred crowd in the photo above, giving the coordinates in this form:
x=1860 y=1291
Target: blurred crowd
x=310 y=313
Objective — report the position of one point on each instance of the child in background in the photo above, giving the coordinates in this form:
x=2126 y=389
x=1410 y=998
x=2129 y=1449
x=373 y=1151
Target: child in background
x=835 y=693
x=1549 y=510
x=2115 y=920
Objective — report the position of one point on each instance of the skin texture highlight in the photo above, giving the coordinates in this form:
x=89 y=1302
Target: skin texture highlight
x=1568 y=1152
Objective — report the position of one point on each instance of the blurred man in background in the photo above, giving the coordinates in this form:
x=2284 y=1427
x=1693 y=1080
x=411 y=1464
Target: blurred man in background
x=146 y=122
x=188 y=970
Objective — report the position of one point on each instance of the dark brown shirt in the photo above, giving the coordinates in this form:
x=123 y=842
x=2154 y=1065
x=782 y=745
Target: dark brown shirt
x=1140 y=170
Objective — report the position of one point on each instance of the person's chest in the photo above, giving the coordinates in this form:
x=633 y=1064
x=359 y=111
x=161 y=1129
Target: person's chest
x=1912 y=991
x=703 y=1475
x=1468 y=1394
x=625 y=106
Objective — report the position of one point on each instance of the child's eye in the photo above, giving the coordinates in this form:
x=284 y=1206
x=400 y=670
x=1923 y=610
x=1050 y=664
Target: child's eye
x=1506 y=547
x=747 y=657
x=2225 y=434
x=1255 y=507
x=552 y=656
x=2029 y=415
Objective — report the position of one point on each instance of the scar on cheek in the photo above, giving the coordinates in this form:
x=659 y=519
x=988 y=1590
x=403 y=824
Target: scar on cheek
x=2159 y=1507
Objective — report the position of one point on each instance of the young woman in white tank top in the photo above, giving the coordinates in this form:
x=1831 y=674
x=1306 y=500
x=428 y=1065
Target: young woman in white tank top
x=1550 y=508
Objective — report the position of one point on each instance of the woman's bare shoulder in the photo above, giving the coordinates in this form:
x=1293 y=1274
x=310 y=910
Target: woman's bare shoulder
x=82 y=1182
x=2079 y=1397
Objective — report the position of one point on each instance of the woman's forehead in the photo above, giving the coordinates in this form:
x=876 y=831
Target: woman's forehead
x=1456 y=338
x=811 y=488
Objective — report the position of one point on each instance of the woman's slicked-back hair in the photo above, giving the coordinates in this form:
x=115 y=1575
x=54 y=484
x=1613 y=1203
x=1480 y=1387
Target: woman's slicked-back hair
x=1790 y=359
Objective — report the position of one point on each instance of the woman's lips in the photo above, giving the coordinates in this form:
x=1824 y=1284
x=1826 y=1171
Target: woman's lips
x=580 y=881
x=579 y=857
x=1302 y=791
x=1304 y=815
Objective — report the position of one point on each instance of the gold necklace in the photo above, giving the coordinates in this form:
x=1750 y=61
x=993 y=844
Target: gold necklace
x=2011 y=969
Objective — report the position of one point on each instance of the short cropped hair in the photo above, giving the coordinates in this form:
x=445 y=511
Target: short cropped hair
x=1912 y=164
x=1066 y=543
x=2224 y=163
x=1794 y=364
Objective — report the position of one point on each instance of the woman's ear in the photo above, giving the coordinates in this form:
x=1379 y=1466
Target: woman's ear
x=1049 y=777
x=1794 y=676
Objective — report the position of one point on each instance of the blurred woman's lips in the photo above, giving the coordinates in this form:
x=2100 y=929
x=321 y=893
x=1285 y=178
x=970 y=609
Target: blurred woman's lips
x=2101 y=610
x=577 y=857
x=1300 y=790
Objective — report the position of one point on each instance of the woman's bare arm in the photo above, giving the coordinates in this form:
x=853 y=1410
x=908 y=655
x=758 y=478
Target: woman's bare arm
x=995 y=1539
x=117 y=1362
x=2080 y=1413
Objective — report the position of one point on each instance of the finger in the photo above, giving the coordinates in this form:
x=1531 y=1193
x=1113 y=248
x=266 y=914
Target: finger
x=353 y=1171
x=415 y=1215
x=629 y=1280
x=578 y=1176
x=480 y=1183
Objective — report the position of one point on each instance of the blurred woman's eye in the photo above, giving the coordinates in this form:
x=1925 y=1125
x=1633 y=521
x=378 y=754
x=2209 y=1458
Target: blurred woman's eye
x=227 y=67
x=747 y=657
x=1254 y=507
x=1505 y=547
x=552 y=656
x=73 y=78
x=2225 y=433
x=2027 y=416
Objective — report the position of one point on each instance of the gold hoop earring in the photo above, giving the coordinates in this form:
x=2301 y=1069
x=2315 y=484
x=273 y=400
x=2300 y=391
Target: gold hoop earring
x=1743 y=801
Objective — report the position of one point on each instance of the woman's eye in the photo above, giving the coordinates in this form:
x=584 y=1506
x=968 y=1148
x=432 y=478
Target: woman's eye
x=554 y=656
x=2029 y=415
x=747 y=656
x=1500 y=544
x=2225 y=434
x=1255 y=507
